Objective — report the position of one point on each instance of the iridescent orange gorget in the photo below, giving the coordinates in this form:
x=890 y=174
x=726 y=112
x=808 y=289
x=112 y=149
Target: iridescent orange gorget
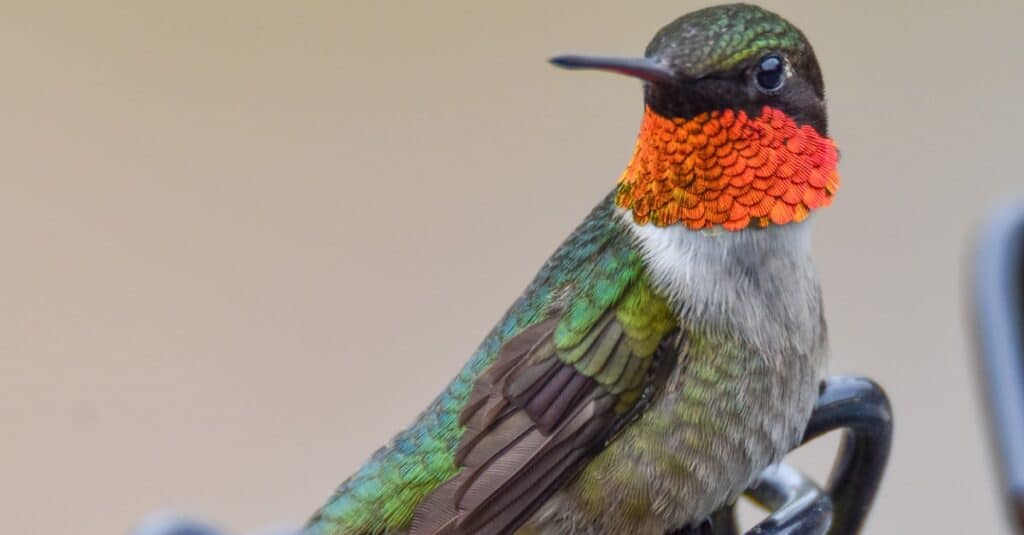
x=727 y=168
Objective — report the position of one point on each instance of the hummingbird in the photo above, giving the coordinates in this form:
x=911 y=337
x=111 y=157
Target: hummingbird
x=672 y=347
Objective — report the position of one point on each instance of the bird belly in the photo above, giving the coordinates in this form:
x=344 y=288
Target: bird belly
x=726 y=414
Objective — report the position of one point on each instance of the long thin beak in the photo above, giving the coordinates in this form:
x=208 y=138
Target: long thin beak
x=643 y=68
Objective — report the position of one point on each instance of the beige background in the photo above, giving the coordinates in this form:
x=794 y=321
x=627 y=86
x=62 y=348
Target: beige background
x=245 y=243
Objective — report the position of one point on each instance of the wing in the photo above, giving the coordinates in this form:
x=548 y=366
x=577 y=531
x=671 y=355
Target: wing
x=556 y=394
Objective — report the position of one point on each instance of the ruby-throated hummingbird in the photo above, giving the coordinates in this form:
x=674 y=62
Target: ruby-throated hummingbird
x=672 y=347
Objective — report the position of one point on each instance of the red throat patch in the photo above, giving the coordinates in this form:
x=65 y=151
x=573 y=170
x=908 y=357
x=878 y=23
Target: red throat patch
x=726 y=168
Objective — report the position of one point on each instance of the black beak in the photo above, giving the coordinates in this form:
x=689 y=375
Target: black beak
x=643 y=68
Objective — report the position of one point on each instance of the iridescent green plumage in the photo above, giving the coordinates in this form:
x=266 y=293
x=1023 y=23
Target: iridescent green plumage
x=729 y=36
x=596 y=270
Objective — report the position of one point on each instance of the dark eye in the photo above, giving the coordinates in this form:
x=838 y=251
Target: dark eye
x=770 y=74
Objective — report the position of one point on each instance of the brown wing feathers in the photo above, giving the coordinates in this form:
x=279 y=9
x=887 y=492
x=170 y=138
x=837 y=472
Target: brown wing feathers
x=531 y=421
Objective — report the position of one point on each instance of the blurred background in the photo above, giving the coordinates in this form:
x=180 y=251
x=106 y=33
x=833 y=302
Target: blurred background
x=246 y=242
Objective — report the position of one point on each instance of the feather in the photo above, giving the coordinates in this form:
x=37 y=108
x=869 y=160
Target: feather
x=532 y=421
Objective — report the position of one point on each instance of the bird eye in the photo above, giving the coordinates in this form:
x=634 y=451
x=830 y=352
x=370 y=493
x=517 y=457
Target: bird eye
x=770 y=74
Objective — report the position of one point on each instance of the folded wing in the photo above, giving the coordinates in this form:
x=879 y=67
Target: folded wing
x=556 y=394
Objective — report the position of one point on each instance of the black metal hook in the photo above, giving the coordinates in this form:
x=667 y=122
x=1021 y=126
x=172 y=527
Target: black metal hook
x=861 y=409
x=800 y=506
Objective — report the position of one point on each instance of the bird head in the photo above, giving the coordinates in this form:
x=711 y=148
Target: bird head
x=734 y=132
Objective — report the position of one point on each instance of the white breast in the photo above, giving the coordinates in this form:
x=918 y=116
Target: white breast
x=760 y=281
